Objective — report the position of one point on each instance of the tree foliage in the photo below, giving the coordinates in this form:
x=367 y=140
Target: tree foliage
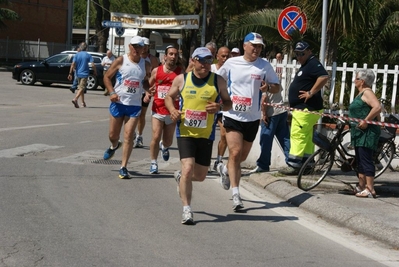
x=7 y=14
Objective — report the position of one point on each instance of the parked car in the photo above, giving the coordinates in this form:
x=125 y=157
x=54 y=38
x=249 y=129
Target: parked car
x=55 y=69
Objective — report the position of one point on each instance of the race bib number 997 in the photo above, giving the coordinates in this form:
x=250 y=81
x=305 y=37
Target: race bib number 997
x=195 y=118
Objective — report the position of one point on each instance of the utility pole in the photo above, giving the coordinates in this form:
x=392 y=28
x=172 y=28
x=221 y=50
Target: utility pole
x=203 y=24
x=87 y=22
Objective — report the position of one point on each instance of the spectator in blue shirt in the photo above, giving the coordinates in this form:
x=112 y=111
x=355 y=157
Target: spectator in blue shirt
x=80 y=64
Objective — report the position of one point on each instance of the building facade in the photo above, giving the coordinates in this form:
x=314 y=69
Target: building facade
x=47 y=20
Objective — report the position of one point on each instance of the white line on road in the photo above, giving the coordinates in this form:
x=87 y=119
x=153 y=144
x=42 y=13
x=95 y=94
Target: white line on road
x=31 y=127
x=23 y=150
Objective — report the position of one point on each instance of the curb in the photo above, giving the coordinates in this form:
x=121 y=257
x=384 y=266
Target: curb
x=327 y=210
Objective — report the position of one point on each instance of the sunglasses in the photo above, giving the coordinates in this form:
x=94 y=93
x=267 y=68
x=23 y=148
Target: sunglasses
x=204 y=60
x=136 y=46
x=299 y=54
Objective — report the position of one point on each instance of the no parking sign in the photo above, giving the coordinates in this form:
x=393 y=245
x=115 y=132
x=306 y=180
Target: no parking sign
x=290 y=19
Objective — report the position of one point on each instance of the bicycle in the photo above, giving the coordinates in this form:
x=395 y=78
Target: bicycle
x=333 y=149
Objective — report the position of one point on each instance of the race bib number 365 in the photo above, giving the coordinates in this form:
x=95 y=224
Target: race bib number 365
x=132 y=86
x=241 y=103
x=195 y=118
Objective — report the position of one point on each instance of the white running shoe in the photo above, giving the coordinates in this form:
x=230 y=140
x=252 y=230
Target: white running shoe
x=237 y=202
x=224 y=178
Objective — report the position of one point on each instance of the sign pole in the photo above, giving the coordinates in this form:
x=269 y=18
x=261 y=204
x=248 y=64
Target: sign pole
x=323 y=34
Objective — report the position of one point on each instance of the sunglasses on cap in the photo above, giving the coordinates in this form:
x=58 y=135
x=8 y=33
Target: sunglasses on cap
x=204 y=60
x=299 y=54
x=136 y=46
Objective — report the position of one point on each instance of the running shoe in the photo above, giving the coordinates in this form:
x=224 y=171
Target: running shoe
x=123 y=173
x=237 y=203
x=215 y=165
x=154 y=168
x=139 y=142
x=224 y=178
x=164 y=151
x=187 y=217
x=109 y=153
x=177 y=176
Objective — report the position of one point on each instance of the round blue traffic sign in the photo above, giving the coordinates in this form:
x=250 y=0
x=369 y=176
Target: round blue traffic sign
x=291 y=19
x=119 y=31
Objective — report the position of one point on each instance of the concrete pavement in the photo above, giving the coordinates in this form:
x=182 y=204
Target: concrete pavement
x=334 y=202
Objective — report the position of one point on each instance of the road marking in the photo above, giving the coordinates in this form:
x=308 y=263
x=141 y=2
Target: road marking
x=31 y=127
x=23 y=150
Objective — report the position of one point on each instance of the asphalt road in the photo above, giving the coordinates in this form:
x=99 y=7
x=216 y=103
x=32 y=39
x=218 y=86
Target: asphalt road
x=61 y=205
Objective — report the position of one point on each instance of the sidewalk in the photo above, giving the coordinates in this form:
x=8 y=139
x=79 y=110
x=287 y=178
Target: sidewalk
x=334 y=202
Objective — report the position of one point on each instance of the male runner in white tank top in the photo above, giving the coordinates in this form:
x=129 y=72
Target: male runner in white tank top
x=132 y=73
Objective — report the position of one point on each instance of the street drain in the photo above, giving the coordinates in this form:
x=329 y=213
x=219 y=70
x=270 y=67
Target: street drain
x=107 y=162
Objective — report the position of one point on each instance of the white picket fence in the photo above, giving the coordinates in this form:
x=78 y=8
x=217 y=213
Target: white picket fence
x=337 y=98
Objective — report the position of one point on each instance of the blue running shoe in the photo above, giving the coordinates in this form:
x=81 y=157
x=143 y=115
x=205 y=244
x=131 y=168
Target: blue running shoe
x=109 y=153
x=123 y=173
x=164 y=151
x=154 y=168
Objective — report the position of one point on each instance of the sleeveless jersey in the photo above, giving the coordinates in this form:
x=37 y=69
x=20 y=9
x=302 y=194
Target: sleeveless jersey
x=129 y=82
x=163 y=81
x=195 y=122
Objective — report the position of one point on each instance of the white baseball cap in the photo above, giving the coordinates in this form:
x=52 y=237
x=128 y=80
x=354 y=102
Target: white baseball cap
x=235 y=50
x=146 y=40
x=201 y=52
x=137 y=40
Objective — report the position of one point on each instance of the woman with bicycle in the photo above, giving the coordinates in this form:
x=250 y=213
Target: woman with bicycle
x=364 y=136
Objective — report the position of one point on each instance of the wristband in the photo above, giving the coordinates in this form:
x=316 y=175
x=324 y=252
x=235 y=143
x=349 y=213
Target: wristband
x=70 y=73
x=264 y=93
x=112 y=93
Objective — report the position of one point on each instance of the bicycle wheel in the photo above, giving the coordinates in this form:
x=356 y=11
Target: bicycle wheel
x=384 y=158
x=315 y=169
x=346 y=145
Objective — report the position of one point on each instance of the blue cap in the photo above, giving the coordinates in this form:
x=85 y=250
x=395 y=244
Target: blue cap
x=301 y=46
x=201 y=52
x=254 y=38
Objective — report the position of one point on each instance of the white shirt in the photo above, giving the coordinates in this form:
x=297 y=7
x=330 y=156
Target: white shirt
x=106 y=62
x=244 y=81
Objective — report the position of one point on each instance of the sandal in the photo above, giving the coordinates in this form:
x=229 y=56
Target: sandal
x=366 y=193
x=75 y=103
x=84 y=104
x=357 y=189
